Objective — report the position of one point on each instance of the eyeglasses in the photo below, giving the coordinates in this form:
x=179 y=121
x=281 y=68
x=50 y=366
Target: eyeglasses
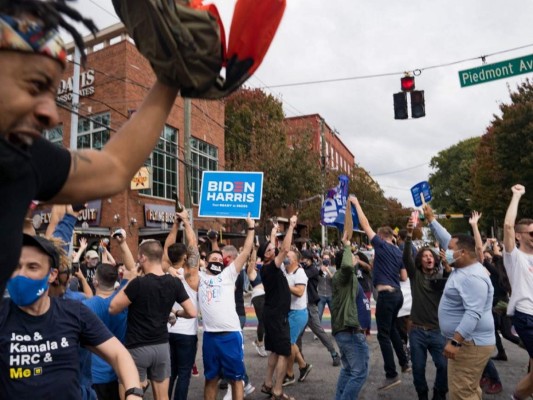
x=529 y=233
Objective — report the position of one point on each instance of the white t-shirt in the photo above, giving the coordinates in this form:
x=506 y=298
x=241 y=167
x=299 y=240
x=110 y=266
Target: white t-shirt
x=216 y=297
x=519 y=267
x=405 y=286
x=297 y=277
x=186 y=326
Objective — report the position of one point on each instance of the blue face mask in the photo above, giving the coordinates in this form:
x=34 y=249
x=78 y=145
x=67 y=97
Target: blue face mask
x=449 y=256
x=286 y=261
x=25 y=291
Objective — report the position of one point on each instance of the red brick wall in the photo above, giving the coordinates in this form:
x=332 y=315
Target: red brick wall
x=122 y=80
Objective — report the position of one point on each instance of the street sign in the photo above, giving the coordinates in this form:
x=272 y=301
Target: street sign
x=231 y=194
x=492 y=72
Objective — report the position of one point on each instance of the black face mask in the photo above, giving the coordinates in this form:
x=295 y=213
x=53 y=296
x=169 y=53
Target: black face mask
x=215 y=267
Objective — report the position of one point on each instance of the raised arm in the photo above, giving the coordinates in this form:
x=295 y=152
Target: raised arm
x=510 y=218
x=408 y=260
x=440 y=233
x=95 y=174
x=169 y=241
x=474 y=219
x=241 y=259
x=127 y=258
x=363 y=220
x=287 y=240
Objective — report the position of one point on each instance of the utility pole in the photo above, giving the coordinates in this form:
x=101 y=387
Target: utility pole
x=75 y=100
x=323 y=159
x=74 y=114
x=187 y=150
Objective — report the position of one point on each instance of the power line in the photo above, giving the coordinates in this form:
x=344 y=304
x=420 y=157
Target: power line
x=400 y=170
x=104 y=9
x=372 y=76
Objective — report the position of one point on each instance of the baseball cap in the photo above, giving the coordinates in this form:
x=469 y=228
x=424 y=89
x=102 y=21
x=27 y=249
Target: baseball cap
x=92 y=254
x=43 y=244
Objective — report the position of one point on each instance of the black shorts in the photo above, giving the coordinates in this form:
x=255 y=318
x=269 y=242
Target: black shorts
x=277 y=333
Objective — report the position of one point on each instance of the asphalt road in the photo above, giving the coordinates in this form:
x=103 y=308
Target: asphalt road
x=321 y=382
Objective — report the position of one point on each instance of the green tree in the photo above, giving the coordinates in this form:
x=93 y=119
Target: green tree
x=451 y=183
x=256 y=140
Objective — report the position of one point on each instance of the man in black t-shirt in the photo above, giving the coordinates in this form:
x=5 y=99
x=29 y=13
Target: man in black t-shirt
x=150 y=299
x=40 y=336
x=276 y=309
x=32 y=61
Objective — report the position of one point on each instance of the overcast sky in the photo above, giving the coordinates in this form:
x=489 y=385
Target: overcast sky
x=325 y=40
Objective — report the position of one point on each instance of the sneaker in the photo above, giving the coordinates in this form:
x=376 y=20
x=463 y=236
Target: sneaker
x=336 y=360
x=500 y=357
x=484 y=382
x=248 y=389
x=315 y=337
x=288 y=380
x=406 y=368
x=260 y=348
x=228 y=395
x=494 y=388
x=195 y=372
x=304 y=372
x=389 y=383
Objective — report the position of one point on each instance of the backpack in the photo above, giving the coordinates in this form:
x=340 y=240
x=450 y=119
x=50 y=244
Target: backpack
x=184 y=41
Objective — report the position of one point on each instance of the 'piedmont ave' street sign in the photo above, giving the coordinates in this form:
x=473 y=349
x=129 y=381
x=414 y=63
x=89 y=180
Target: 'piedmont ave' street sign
x=492 y=72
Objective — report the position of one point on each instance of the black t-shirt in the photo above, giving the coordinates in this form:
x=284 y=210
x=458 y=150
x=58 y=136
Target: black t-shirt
x=36 y=174
x=89 y=274
x=239 y=294
x=312 y=273
x=39 y=356
x=152 y=297
x=277 y=292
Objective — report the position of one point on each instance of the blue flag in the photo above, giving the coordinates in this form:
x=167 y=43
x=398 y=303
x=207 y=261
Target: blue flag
x=334 y=207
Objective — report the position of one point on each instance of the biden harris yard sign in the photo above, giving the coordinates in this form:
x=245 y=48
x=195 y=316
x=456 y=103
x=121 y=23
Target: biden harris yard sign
x=231 y=194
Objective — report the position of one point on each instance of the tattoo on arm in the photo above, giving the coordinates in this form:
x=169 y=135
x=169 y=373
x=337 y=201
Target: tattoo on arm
x=77 y=155
x=193 y=257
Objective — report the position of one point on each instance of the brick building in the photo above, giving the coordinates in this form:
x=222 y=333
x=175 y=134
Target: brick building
x=115 y=80
x=336 y=155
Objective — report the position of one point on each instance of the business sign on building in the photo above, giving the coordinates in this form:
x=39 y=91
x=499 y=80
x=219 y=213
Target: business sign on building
x=89 y=216
x=156 y=215
x=500 y=70
x=141 y=180
x=66 y=86
x=231 y=194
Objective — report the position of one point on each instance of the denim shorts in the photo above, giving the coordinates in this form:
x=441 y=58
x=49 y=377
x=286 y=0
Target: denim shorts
x=297 y=323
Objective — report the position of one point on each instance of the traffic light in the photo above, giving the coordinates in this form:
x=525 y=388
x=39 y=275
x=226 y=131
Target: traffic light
x=400 y=105
x=407 y=83
x=418 y=108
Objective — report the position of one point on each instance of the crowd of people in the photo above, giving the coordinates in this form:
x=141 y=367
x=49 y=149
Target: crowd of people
x=80 y=325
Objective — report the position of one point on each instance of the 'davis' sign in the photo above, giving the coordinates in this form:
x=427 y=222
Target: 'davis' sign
x=231 y=194
x=64 y=92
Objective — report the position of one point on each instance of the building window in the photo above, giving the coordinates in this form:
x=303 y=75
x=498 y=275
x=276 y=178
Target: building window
x=204 y=157
x=163 y=164
x=93 y=133
x=55 y=135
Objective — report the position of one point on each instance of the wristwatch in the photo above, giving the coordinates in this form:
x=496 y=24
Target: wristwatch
x=135 y=391
x=455 y=343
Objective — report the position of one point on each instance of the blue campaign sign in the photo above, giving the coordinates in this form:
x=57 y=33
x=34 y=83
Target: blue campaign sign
x=231 y=194
x=424 y=189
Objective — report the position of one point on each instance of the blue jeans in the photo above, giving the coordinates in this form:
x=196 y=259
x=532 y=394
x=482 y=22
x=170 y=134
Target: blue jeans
x=421 y=342
x=322 y=305
x=182 y=356
x=387 y=306
x=354 y=368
